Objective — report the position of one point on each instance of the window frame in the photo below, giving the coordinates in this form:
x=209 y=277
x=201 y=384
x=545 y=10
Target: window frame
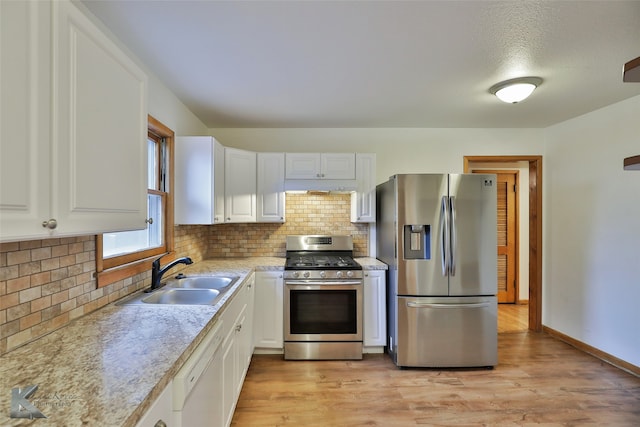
x=110 y=270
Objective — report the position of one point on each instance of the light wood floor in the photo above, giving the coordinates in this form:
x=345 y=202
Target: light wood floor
x=538 y=380
x=513 y=318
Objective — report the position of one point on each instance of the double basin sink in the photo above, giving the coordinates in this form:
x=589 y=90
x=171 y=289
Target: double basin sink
x=191 y=290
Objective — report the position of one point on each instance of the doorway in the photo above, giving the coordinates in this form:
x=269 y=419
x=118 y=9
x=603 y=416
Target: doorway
x=535 y=227
x=507 y=234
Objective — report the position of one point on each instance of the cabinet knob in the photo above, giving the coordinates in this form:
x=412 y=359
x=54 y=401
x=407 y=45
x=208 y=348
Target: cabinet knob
x=160 y=423
x=51 y=224
x=149 y=221
x=238 y=327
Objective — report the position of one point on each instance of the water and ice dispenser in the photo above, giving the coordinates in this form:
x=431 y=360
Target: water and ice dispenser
x=417 y=241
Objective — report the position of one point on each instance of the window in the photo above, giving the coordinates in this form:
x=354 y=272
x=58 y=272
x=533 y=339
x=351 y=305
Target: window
x=123 y=254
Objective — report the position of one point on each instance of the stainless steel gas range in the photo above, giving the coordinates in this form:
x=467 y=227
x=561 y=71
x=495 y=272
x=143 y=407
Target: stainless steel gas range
x=322 y=299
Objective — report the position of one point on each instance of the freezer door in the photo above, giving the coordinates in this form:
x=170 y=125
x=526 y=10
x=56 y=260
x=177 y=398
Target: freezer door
x=472 y=199
x=418 y=232
x=447 y=332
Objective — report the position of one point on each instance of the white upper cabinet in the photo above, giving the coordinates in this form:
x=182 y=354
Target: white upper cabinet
x=199 y=180
x=240 y=185
x=270 y=195
x=74 y=126
x=363 y=200
x=25 y=144
x=320 y=166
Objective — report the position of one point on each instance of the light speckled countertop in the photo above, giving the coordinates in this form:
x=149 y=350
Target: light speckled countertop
x=107 y=368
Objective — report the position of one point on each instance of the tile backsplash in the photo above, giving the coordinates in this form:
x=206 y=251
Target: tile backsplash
x=45 y=284
x=305 y=214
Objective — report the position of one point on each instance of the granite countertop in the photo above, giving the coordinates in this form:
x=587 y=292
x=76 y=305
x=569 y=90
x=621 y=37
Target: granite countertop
x=108 y=367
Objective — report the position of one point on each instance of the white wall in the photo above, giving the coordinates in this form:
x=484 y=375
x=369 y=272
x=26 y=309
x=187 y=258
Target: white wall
x=591 y=223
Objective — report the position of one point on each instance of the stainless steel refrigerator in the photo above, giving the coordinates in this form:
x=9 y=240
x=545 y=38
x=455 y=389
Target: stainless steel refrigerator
x=437 y=233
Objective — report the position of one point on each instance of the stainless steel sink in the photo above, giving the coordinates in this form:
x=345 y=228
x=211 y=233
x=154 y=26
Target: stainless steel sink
x=182 y=296
x=202 y=282
x=191 y=290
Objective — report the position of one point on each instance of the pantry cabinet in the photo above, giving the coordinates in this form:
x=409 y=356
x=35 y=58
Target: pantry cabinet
x=320 y=166
x=74 y=126
x=375 y=306
x=199 y=180
x=268 y=323
x=240 y=185
x=363 y=200
x=270 y=187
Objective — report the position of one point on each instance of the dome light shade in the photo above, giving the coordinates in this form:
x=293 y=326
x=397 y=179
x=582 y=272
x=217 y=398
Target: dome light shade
x=515 y=90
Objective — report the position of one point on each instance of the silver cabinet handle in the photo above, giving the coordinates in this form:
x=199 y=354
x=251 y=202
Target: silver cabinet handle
x=149 y=221
x=238 y=328
x=160 y=423
x=51 y=224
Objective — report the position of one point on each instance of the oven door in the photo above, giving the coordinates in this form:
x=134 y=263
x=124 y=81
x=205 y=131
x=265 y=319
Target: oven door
x=318 y=311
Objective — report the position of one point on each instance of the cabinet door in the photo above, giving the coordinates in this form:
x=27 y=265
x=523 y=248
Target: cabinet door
x=24 y=119
x=160 y=410
x=270 y=198
x=363 y=201
x=338 y=166
x=375 y=306
x=218 y=183
x=199 y=180
x=268 y=321
x=302 y=166
x=99 y=120
x=229 y=360
x=240 y=185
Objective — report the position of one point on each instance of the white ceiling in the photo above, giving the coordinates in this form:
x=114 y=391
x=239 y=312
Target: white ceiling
x=381 y=63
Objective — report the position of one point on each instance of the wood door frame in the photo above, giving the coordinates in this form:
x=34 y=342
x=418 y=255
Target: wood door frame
x=535 y=228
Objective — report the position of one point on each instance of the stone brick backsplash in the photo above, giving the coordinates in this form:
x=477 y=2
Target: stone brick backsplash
x=45 y=284
x=319 y=213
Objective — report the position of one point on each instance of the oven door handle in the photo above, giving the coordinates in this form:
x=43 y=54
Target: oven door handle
x=322 y=282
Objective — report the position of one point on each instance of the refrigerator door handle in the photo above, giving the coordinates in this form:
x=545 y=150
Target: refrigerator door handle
x=414 y=304
x=444 y=235
x=453 y=236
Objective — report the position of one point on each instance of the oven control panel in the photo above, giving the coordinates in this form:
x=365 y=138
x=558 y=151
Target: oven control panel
x=323 y=274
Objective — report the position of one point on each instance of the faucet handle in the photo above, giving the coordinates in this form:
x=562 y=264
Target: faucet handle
x=156 y=263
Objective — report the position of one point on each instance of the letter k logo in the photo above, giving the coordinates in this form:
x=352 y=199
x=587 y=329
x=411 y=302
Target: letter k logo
x=21 y=407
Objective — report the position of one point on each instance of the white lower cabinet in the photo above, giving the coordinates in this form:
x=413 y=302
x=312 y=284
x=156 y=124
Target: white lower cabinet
x=375 y=308
x=237 y=348
x=160 y=411
x=268 y=316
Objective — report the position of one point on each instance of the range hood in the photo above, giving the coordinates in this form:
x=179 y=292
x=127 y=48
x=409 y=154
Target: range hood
x=321 y=185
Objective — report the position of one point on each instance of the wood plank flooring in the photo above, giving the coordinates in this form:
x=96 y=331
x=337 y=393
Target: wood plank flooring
x=513 y=318
x=538 y=381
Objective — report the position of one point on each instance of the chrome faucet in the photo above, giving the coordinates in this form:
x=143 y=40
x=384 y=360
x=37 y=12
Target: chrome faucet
x=157 y=272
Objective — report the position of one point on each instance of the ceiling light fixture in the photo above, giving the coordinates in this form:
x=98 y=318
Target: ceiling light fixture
x=515 y=90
